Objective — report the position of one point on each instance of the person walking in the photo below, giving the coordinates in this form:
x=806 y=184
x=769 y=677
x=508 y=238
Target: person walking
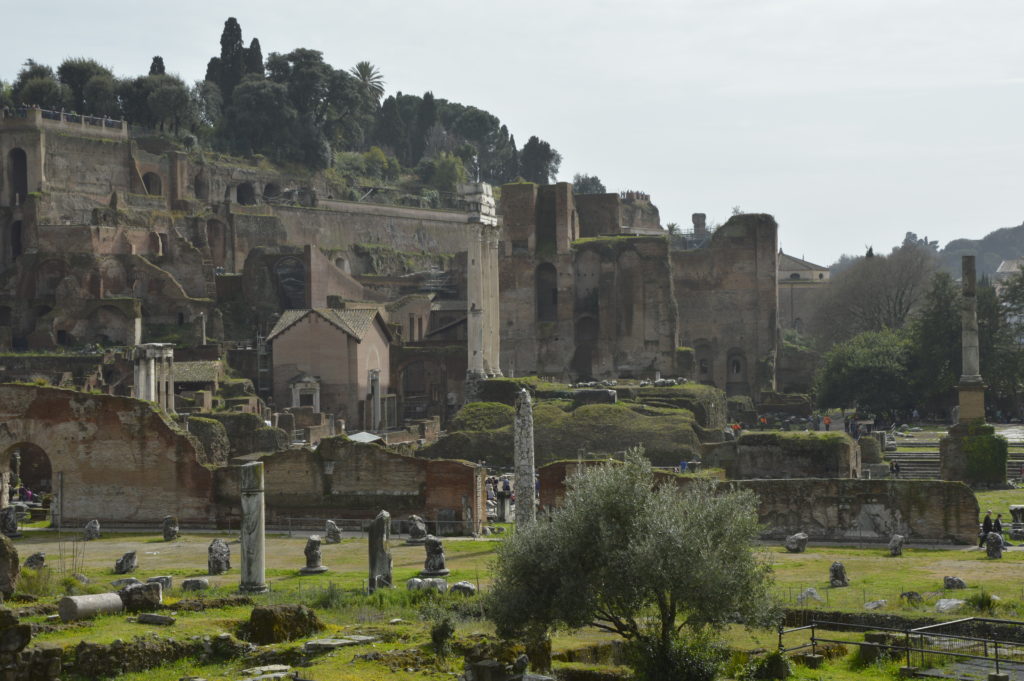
x=828 y=422
x=997 y=526
x=986 y=527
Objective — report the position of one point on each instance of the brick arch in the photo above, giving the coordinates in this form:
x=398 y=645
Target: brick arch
x=122 y=463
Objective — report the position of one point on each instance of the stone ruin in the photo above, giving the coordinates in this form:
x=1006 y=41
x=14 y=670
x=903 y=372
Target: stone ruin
x=380 y=555
x=837 y=575
x=313 y=557
x=434 y=566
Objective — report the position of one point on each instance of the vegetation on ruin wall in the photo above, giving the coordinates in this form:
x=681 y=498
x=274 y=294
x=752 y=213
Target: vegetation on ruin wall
x=384 y=260
x=504 y=390
x=213 y=437
x=824 y=444
x=482 y=416
x=684 y=361
x=985 y=455
x=706 y=402
x=668 y=437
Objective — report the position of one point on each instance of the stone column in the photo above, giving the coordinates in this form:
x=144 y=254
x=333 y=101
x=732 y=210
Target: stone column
x=375 y=416
x=253 y=559
x=151 y=377
x=971 y=388
x=492 y=309
x=475 y=311
x=525 y=486
x=380 y=554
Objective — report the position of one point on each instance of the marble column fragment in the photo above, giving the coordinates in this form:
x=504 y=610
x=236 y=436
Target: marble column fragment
x=380 y=555
x=253 y=539
x=525 y=486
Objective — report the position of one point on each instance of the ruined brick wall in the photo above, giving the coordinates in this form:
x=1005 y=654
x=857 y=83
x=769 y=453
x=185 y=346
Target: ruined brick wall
x=798 y=303
x=728 y=304
x=599 y=214
x=122 y=463
x=866 y=510
x=772 y=455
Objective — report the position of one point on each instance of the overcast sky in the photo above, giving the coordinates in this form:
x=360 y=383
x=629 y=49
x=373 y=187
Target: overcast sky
x=851 y=121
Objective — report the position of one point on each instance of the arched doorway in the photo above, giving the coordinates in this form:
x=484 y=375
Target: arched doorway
x=271 y=192
x=19 y=175
x=154 y=186
x=291 y=282
x=245 y=194
x=30 y=466
x=546 y=286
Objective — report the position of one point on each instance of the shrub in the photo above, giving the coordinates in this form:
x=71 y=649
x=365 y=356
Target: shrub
x=482 y=416
x=774 y=665
x=694 y=660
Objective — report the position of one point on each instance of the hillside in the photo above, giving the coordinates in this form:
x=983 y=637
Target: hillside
x=991 y=249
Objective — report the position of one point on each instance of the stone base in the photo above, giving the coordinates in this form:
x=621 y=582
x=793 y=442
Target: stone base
x=320 y=569
x=434 y=573
x=954 y=452
x=998 y=677
x=253 y=588
x=908 y=672
x=813 y=661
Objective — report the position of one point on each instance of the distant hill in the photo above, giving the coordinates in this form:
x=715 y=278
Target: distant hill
x=991 y=249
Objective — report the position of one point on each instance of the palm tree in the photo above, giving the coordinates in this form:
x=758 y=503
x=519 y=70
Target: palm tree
x=370 y=78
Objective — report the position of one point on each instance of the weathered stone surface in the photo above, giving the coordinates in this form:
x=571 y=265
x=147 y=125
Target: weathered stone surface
x=994 y=545
x=949 y=605
x=277 y=623
x=837 y=575
x=36 y=561
x=170 y=528
x=809 y=594
x=414 y=584
x=896 y=545
x=1017 y=513
x=254 y=578
x=152 y=618
x=332 y=535
x=797 y=543
x=126 y=581
x=434 y=566
x=525 y=489
x=774 y=455
x=218 y=557
x=953 y=583
x=195 y=584
x=417 y=530
x=73 y=608
x=92 y=530
x=912 y=597
x=142 y=597
x=920 y=510
x=10 y=567
x=129 y=562
x=313 y=557
x=434 y=584
x=380 y=555
x=9 y=521
x=876 y=605
x=164 y=581
x=463 y=588
x=13 y=639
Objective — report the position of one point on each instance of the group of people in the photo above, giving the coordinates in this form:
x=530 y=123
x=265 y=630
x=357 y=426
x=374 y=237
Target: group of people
x=990 y=524
x=499 y=488
x=22 y=493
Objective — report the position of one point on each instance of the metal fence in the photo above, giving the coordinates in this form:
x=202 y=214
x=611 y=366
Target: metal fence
x=930 y=646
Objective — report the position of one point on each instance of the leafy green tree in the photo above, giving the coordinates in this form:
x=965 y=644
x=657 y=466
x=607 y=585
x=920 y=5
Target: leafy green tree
x=76 y=74
x=448 y=173
x=6 y=96
x=37 y=85
x=391 y=129
x=869 y=371
x=640 y=559
x=208 y=105
x=1002 y=362
x=587 y=184
x=156 y=68
x=538 y=162
x=231 y=65
x=254 y=59
x=370 y=79
x=426 y=119
x=261 y=119
x=934 y=360
x=169 y=104
x=100 y=95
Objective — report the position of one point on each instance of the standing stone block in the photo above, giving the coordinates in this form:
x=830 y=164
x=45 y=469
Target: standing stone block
x=92 y=530
x=10 y=567
x=332 y=535
x=170 y=528
x=313 y=557
x=73 y=608
x=253 y=539
x=380 y=555
x=417 y=530
x=37 y=561
x=797 y=543
x=525 y=485
x=434 y=566
x=9 y=521
x=1017 y=513
x=953 y=583
x=218 y=557
x=896 y=545
x=195 y=584
x=994 y=545
x=837 y=575
x=164 y=581
x=129 y=562
x=142 y=597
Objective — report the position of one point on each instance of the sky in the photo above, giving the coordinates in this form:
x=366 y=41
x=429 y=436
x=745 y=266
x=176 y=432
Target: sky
x=852 y=122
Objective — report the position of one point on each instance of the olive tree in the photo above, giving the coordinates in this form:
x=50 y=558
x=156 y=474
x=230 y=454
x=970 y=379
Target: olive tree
x=638 y=555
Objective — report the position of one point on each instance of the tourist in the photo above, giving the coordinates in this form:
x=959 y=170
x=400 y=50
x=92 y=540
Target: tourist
x=896 y=469
x=828 y=422
x=986 y=527
x=997 y=526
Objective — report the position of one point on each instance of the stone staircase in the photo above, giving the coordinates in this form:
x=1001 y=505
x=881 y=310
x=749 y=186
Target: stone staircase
x=210 y=276
x=924 y=465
